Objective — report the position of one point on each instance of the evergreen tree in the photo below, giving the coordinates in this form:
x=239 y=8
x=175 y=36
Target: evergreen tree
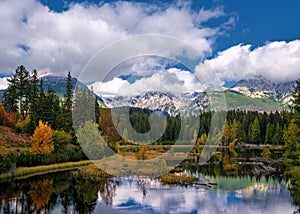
x=97 y=111
x=53 y=108
x=236 y=131
x=18 y=92
x=34 y=96
x=67 y=105
x=84 y=104
x=296 y=107
x=278 y=136
x=269 y=133
x=97 y=107
x=42 y=103
x=10 y=99
x=255 y=131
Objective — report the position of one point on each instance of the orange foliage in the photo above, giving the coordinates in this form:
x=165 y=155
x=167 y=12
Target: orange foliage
x=10 y=119
x=40 y=193
x=41 y=140
x=2 y=115
x=7 y=119
x=108 y=128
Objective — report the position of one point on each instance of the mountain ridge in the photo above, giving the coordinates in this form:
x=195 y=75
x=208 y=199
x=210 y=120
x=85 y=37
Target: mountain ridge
x=251 y=94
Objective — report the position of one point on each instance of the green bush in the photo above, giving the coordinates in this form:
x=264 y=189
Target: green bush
x=61 y=139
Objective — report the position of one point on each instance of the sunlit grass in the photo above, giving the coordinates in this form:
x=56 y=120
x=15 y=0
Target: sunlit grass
x=23 y=172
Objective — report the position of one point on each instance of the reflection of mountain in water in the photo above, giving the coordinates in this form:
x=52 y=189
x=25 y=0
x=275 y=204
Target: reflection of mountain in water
x=68 y=192
x=258 y=197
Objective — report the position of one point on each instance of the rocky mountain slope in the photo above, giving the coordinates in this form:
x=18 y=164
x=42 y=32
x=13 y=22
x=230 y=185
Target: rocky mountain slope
x=253 y=94
x=262 y=88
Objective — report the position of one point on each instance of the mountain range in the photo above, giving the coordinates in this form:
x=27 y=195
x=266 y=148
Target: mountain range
x=251 y=94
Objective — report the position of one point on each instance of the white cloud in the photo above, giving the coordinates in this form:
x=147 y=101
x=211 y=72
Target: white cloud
x=205 y=15
x=3 y=83
x=172 y=80
x=59 y=42
x=276 y=61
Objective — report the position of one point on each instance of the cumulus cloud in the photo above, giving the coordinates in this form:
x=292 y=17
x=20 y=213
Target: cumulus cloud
x=3 y=83
x=275 y=61
x=172 y=80
x=58 y=42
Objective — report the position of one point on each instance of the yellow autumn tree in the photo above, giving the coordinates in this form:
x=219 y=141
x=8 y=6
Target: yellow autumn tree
x=226 y=134
x=202 y=139
x=41 y=140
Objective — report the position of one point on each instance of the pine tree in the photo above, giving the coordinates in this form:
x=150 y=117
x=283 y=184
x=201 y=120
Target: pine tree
x=278 y=136
x=17 y=96
x=97 y=107
x=23 y=89
x=67 y=105
x=269 y=133
x=296 y=102
x=255 y=131
x=42 y=104
x=53 y=108
x=84 y=104
x=34 y=96
x=97 y=111
x=10 y=99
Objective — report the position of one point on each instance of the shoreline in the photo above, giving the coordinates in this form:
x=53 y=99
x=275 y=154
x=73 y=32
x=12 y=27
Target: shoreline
x=26 y=172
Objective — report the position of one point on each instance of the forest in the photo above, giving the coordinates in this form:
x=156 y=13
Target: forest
x=49 y=121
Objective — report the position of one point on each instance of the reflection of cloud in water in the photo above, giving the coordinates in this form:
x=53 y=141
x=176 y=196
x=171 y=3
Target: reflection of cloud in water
x=271 y=198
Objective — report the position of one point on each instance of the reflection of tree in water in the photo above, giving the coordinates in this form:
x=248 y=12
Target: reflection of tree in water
x=66 y=200
x=76 y=194
x=294 y=188
x=109 y=191
x=7 y=192
x=40 y=193
x=86 y=193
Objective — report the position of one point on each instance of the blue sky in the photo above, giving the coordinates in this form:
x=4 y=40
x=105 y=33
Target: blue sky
x=239 y=39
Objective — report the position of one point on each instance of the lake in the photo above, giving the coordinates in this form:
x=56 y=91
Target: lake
x=218 y=190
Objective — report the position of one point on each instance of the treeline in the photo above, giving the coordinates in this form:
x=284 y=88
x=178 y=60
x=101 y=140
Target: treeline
x=49 y=119
x=43 y=115
x=248 y=127
x=26 y=98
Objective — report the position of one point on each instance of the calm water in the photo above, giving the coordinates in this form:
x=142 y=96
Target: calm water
x=70 y=192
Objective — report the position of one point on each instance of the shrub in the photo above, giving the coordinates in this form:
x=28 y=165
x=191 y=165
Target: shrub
x=61 y=139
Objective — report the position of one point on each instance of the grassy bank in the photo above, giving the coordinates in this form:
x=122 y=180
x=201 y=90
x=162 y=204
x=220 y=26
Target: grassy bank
x=24 y=172
x=177 y=179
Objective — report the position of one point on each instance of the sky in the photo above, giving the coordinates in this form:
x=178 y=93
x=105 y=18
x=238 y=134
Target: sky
x=238 y=39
